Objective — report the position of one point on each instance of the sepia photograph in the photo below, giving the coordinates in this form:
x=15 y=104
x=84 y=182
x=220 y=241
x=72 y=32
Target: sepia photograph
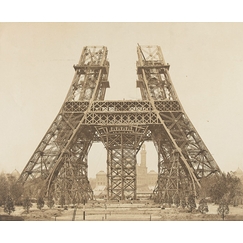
x=121 y=121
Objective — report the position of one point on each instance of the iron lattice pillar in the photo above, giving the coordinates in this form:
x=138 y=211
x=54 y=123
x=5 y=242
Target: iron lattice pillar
x=122 y=144
x=172 y=182
x=121 y=171
x=72 y=185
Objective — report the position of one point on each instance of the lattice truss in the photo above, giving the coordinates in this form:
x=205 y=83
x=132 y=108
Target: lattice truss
x=122 y=144
x=180 y=174
x=60 y=159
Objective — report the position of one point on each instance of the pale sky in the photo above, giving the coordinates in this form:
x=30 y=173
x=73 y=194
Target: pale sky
x=36 y=71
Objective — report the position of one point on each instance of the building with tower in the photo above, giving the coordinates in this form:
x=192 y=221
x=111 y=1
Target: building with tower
x=146 y=181
x=152 y=177
x=142 y=169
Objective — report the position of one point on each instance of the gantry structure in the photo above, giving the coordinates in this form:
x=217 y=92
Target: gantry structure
x=60 y=164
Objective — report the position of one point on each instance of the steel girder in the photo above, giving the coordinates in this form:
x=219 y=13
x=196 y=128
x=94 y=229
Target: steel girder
x=121 y=112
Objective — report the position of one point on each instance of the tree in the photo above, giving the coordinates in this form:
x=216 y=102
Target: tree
x=203 y=206
x=183 y=202
x=62 y=200
x=221 y=186
x=223 y=208
x=234 y=187
x=191 y=204
x=9 y=205
x=177 y=200
x=40 y=203
x=50 y=202
x=74 y=200
x=27 y=204
x=170 y=201
x=4 y=188
x=9 y=185
x=218 y=188
x=16 y=191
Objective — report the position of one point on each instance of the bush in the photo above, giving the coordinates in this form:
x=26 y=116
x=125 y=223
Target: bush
x=4 y=189
x=50 y=202
x=27 y=204
x=183 y=203
x=191 y=204
x=40 y=203
x=9 y=205
x=221 y=186
x=223 y=208
x=177 y=200
x=203 y=206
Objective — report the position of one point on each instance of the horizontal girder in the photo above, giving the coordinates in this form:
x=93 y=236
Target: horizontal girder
x=121 y=112
x=134 y=118
x=121 y=106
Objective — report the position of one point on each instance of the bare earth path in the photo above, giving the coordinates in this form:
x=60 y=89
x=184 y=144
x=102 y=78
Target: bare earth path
x=124 y=211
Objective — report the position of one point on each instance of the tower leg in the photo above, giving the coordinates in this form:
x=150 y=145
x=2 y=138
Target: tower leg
x=173 y=182
x=71 y=184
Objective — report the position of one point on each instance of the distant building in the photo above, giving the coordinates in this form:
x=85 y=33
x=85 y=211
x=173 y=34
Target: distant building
x=100 y=185
x=101 y=178
x=239 y=174
x=152 y=177
x=146 y=181
x=15 y=174
x=142 y=169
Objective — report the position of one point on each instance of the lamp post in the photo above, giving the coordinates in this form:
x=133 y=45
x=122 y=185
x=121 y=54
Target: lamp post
x=84 y=209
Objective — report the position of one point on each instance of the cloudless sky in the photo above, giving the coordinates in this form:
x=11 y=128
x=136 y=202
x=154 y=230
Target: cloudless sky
x=36 y=71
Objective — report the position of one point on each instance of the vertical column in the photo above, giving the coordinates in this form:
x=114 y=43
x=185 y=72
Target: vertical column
x=121 y=169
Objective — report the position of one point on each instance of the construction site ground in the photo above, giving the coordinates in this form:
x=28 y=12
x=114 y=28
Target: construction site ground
x=121 y=211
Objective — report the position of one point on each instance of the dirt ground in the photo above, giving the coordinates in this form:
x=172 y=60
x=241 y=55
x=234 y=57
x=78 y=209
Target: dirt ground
x=123 y=211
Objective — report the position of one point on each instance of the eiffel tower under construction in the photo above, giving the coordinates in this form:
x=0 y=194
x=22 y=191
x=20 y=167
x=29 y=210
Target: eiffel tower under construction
x=59 y=163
